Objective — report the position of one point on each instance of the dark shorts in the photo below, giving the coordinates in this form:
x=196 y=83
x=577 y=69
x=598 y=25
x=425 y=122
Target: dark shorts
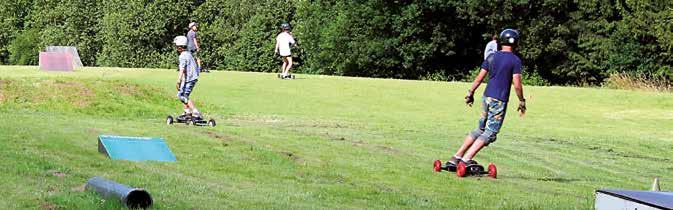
x=492 y=118
x=186 y=90
x=194 y=52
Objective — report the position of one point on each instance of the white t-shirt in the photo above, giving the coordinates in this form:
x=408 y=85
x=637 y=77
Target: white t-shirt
x=283 y=41
x=491 y=47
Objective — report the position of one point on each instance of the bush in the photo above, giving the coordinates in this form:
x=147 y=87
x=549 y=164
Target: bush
x=629 y=81
x=25 y=48
x=533 y=79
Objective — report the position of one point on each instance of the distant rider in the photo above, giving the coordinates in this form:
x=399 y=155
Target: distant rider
x=491 y=47
x=284 y=41
x=193 y=44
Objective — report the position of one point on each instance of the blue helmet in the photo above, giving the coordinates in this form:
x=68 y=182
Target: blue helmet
x=509 y=37
x=285 y=26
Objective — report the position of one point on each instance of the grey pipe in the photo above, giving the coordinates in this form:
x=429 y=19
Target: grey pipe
x=130 y=197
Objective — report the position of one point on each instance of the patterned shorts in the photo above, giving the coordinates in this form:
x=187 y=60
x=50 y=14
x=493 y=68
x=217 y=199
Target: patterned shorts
x=186 y=90
x=492 y=117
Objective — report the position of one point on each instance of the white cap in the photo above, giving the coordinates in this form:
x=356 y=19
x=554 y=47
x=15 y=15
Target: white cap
x=192 y=24
x=180 y=41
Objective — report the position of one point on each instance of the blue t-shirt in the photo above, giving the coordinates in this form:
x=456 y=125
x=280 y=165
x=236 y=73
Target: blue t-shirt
x=191 y=35
x=505 y=65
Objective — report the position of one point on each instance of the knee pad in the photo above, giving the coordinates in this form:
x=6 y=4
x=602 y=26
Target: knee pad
x=183 y=98
x=488 y=137
x=476 y=133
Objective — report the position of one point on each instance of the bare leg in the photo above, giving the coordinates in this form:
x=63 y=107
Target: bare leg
x=474 y=149
x=289 y=65
x=466 y=145
x=190 y=104
x=282 y=70
x=198 y=62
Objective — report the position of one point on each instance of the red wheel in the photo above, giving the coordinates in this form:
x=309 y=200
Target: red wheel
x=492 y=171
x=461 y=170
x=437 y=166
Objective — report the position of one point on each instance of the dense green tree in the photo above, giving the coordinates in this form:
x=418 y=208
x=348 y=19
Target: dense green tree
x=12 y=17
x=240 y=35
x=563 y=41
x=139 y=33
x=68 y=23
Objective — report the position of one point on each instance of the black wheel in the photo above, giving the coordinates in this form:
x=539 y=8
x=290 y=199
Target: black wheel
x=211 y=123
x=292 y=76
x=169 y=120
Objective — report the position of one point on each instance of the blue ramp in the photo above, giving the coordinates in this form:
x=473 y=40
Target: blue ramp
x=135 y=148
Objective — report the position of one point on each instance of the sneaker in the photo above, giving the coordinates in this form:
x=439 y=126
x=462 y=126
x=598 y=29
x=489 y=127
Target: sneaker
x=453 y=161
x=197 y=115
x=469 y=163
x=184 y=116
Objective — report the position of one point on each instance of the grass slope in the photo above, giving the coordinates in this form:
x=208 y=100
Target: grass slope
x=321 y=142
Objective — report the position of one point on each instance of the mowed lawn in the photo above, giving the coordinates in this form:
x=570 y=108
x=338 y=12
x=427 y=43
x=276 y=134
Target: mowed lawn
x=321 y=142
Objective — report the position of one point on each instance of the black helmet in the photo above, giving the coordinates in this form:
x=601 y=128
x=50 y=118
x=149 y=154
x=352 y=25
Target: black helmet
x=509 y=37
x=285 y=26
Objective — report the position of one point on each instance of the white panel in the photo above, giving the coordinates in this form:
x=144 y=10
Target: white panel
x=609 y=202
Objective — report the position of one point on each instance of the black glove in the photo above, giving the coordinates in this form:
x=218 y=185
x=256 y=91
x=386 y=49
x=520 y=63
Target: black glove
x=469 y=99
x=522 y=107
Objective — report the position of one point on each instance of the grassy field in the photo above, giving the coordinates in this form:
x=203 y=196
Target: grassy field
x=321 y=142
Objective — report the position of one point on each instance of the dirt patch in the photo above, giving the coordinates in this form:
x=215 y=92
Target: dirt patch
x=556 y=141
x=557 y=179
x=79 y=188
x=56 y=173
x=94 y=131
x=129 y=90
x=324 y=125
x=613 y=152
x=334 y=138
x=220 y=136
x=49 y=206
x=643 y=157
x=388 y=149
x=362 y=143
x=292 y=156
x=78 y=92
x=246 y=119
x=3 y=87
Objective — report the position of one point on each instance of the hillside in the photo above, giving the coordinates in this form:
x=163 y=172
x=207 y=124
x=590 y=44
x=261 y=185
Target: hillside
x=321 y=142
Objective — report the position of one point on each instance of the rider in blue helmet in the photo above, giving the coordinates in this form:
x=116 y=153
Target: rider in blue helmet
x=503 y=69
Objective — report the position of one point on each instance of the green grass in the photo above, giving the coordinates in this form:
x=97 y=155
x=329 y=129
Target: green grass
x=321 y=142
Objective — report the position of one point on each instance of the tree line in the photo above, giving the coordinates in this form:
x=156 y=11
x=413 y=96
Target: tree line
x=564 y=42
